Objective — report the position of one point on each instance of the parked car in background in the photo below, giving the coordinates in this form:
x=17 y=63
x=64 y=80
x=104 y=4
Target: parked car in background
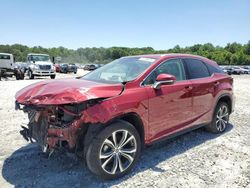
x=86 y=67
x=237 y=70
x=247 y=67
x=40 y=65
x=246 y=70
x=227 y=70
x=90 y=67
x=57 y=66
x=72 y=68
x=64 y=67
x=109 y=115
x=67 y=68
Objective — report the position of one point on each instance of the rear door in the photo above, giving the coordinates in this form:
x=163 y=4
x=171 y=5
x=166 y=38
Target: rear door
x=203 y=89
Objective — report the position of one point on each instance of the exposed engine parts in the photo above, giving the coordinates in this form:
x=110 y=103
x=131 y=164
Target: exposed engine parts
x=55 y=127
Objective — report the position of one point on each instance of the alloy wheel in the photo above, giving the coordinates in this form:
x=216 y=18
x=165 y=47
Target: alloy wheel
x=222 y=118
x=118 y=152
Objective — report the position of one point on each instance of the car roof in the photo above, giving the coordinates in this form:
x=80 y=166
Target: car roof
x=5 y=54
x=170 y=55
x=38 y=54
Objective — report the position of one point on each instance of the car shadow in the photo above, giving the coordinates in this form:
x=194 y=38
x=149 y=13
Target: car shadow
x=28 y=166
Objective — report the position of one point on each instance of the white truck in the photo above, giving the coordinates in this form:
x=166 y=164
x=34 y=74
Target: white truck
x=40 y=65
x=9 y=68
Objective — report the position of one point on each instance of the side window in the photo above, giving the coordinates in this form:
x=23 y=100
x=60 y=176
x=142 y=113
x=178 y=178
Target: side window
x=212 y=69
x=174 y=67
x=196 y=69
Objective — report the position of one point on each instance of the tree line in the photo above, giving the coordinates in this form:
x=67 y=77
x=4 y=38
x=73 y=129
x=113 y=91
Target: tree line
x=231 y=54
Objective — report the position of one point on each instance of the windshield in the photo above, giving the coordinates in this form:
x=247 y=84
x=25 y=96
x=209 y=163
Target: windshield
x=120 y=70
x=4 y=56
x=39 y=58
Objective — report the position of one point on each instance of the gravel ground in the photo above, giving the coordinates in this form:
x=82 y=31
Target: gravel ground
x=197 y=159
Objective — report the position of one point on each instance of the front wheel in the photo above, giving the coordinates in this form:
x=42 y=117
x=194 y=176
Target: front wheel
x=114 y=151
x=220 y=118
x=52 y=76
x=31 y=75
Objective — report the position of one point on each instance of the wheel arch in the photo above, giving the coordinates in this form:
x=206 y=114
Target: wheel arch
x=227 y=99
x=91 y=130
x=137 y=122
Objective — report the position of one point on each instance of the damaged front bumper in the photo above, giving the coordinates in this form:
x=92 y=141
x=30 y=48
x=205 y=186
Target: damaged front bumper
x=53 y=127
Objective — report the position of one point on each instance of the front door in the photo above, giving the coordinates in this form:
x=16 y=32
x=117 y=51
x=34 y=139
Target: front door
x=170 y=107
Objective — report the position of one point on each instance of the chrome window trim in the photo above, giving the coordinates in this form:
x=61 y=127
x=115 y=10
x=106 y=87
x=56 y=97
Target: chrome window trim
x=181 y=60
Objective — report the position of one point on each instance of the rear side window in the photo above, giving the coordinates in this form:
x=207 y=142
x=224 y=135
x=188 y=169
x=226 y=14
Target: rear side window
x=196 y=69
x=4 y=57
x=212 y=69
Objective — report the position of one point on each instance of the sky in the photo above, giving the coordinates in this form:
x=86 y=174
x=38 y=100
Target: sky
x=160 y=24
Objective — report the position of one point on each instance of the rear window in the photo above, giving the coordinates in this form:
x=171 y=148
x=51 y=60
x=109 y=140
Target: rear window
x=196 y=69
x=4 y=56
x=212 y=69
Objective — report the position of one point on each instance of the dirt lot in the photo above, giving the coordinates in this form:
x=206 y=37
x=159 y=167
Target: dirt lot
x=197 y=159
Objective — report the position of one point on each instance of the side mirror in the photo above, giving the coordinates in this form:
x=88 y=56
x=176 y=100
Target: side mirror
x=164 y=79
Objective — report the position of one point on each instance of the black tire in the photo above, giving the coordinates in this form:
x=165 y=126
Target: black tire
x=219 y=125
x=17 y=76
x=52 y=76
x=31 y=75
x=93 y=156
x=22 y=76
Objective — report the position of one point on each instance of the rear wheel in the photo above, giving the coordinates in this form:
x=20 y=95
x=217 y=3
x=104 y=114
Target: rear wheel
x=22 y=76
x=114 y=151
x=220 y=118
x=17 y=76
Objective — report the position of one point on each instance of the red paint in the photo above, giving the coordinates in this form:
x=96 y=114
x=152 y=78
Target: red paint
x=170 y=109
x=165 y=77
x=57 y=66
x=65 y=91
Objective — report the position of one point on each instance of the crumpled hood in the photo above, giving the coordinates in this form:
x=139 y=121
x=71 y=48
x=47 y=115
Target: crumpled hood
x=65 y=91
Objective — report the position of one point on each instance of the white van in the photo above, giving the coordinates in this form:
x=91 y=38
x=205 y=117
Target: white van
x=40 y=65
x=8 y=67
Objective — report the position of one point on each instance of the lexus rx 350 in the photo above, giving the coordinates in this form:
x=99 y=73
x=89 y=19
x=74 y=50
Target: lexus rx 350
x=109 y=115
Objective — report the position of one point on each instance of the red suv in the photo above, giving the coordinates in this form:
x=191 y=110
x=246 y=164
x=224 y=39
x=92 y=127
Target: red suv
x=110 y=114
